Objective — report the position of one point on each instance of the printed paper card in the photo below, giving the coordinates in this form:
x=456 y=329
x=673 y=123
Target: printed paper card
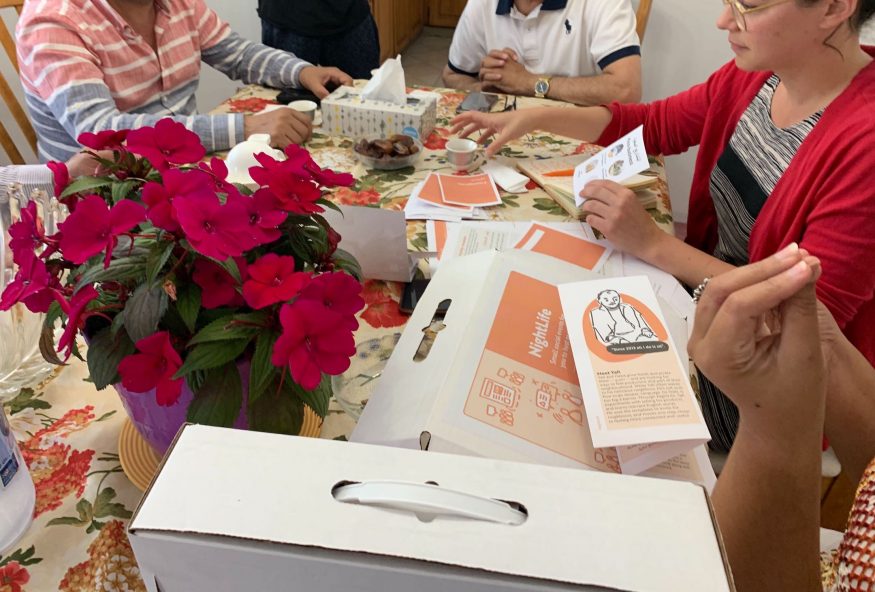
x=432 y=192
x=633 y=382
x=565 y=246
x=619 y=161
x=526 y=383
x=469 y=190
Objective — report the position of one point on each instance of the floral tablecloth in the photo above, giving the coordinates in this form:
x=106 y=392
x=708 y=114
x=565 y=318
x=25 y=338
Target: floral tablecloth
x=69 y=432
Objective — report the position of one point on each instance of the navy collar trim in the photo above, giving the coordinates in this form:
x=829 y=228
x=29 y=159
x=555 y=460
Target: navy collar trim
x=504 y=6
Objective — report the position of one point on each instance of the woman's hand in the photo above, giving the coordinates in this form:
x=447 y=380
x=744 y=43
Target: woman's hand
x=777 y=380
x=615 y=211
x=504 y=126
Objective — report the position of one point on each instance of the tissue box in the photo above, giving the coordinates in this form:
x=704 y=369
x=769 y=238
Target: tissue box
x=346 y=113
x=231 y=510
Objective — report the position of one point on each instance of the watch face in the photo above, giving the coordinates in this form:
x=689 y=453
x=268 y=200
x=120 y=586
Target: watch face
x=541 y=87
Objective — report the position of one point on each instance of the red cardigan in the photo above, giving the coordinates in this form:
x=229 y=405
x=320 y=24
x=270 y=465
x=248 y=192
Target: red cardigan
x=825 y=200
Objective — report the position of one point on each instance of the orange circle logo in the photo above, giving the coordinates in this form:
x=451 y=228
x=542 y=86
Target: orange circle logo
x=596 y=346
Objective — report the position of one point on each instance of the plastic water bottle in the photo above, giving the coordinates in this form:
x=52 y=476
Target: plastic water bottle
x=17 y=495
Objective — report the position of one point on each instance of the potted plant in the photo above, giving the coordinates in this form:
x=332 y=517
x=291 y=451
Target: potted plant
x=200 y=300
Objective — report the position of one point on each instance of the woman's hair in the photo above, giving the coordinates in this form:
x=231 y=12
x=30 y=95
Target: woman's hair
x=865 y=10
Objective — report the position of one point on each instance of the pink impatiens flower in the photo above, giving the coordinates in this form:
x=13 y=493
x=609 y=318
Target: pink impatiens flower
x=217 y=286
x=75 y=319
x=61 y=178
x=263 y=217
x=338 y=292
x=27 y=235
x=314 y=340
x=169 y=142
x=105 y=140
x=213 y=229
x=153 y=368
x=94 y=227
x=33 y=285
x=175 y=183
x=273 y=279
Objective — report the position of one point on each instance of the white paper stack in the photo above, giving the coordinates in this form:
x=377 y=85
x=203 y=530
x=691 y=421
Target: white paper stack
x=419 y=209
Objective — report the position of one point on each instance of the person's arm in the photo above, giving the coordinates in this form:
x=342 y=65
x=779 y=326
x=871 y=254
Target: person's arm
x=620 y=81
x=454 y=79
x=767 y=498
x=57 y=66
x=850 y=399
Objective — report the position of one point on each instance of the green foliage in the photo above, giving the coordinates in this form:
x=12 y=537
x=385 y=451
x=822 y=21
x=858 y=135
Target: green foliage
x=280 y=410
x=211 y=355
x=217 y=402
x=105 y=353
x=144 y=310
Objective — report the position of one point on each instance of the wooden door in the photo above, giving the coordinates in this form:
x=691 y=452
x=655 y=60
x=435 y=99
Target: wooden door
x=445 y=13
x=409 y=20
x=383 y=11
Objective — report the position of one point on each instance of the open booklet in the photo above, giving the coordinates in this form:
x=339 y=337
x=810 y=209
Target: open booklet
x=635 y=389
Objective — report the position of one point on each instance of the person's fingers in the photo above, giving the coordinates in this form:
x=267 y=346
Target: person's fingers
x=597 y=222
x=800 y=324
x=501 y=54
x=500 y=140
x=466 y=119
x=720 y=287
x=511 y=54
x=490 y=62
x=341 y=77
x=300 y=124
x=594 y=206
x=734 y=327
x=318 y=89
x=468 y=130
x=485 y=136
x=491 y=76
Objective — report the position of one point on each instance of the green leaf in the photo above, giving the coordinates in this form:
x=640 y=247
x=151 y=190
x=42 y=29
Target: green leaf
x=86 y=512
x=66 y=521
x=119 y=270
x=84 y=184
x=105 y=353
x=188 y=304
x=47 y=346
x=239 y=326
x=105 y=507
x=211 y=355
x=346 y=262
x=117 y=323
x=156 y=260
x=278 y=411
x=329 y=204
x=26 y=399
x=230 y=266
x=318 y=398
x=121 y=190
x=218 y=401
x=24 y=558
x=262 y=373
x=144 y=310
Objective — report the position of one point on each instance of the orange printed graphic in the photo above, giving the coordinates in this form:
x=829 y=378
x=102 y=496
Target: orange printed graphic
x=600 y=349
x=526 y=383
x=432 y=193
x=473 y=190
x=440 y=236
x=561 y=245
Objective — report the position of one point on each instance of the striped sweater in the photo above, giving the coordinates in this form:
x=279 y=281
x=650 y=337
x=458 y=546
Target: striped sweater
x=84 y=69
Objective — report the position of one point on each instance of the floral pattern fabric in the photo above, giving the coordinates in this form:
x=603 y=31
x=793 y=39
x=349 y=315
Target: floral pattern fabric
x=68 y=431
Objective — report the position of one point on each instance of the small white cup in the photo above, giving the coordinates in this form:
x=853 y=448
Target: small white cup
x=308 y=108
x=242 y=156
x=463 y=153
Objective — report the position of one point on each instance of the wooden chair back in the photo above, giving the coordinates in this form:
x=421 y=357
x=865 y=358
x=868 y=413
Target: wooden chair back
x=642 y=16
x=15 y=108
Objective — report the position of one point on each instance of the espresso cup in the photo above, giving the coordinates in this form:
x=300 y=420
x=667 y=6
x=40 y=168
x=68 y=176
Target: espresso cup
x=462 y=153
x=308 y=108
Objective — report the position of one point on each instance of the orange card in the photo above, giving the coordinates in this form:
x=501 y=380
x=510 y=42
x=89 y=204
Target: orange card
x=432 y=193
x=473 y=190
x=562 y=245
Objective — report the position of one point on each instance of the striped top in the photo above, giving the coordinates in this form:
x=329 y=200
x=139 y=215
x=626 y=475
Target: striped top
x=746 y=174
x=84 y=69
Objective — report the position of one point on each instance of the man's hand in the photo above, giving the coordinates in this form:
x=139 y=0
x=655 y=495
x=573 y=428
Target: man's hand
x=83 y=164
x=284 y=126
x=501 y=70
x=314 y=79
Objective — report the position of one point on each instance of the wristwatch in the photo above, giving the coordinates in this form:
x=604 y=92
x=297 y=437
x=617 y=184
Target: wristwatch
x=542 y=87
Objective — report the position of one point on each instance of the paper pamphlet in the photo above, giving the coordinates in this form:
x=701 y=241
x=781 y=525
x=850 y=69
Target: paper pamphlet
x=526 y=385
x=568 y=241
x=470 y=190
x=565 y=246
x=633 y=381
x=619 y=161
x=420 y=209
x=433 y=192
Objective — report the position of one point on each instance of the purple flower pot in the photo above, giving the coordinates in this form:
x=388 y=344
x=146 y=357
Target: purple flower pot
x=158 y=425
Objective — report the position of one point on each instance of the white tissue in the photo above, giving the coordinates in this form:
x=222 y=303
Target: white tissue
x=387 y=83
x=506 y=177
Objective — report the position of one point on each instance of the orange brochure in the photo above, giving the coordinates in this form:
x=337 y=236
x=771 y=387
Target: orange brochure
x=562 y=245
x=432 y=193
x=470 y=191
x=526 y=383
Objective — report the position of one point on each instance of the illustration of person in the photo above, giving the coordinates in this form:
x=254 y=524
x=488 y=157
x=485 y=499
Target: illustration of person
x=616 y=322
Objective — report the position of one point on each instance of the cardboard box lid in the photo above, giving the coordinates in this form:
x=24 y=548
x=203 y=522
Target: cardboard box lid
x=418 y=102
x=583 y=527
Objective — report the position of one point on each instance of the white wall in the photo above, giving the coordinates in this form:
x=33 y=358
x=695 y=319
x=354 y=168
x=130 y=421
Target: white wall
x=682 y=46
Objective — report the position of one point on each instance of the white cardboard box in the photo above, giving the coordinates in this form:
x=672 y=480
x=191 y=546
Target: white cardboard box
x=232 y=510
x=346 y=113
x=427 y=403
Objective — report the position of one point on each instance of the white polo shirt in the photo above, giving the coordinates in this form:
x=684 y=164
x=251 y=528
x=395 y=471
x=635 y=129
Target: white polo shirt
x=558 y=38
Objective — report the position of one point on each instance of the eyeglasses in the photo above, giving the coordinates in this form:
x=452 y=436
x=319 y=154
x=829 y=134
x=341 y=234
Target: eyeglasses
x=739 y=10
x=508 y=106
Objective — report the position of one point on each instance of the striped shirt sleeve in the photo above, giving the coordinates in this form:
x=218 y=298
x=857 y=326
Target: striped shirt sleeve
x=59 y=72
x=241 y=59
